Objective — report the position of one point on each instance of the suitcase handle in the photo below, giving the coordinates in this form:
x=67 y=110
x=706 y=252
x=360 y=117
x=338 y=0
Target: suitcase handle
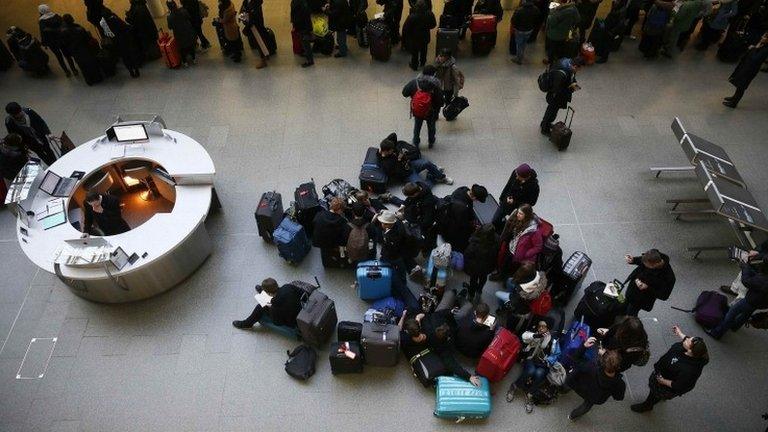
x=573 y=112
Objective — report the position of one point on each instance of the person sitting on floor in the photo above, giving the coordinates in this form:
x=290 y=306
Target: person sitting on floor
x=399 y=168
x=283 y=308
x=472 y=334
x=541 y=352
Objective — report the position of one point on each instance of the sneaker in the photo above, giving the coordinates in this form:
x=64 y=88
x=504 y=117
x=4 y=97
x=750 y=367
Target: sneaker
x=727 y=289
x=445 y=180
x=511 y=393
x=239 y=324
x=712 y=334
x=529 y=404
x=641 y=408
x=545 y=132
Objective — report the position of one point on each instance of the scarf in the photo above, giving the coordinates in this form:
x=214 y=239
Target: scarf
x=532 y=226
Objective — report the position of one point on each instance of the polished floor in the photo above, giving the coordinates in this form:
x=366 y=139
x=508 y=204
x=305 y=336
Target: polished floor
x=175 y=363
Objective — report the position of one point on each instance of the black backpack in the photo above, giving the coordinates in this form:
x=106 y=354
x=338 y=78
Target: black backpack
x=301 y=362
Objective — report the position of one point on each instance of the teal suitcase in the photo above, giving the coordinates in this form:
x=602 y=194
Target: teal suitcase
x=458 y=400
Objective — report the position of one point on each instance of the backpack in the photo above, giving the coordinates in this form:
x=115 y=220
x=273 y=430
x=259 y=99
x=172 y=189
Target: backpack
x=301 y=362
x=441 y=256
x=320 y=25
x=459 y=79
x=545 y=395
x=421 y=103
x=442 y=210
x=357 y=243
x=547 y=80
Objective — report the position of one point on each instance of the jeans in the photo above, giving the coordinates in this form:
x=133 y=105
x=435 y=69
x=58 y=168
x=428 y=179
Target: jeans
x=431 y=129
x=736 y=317
x=306 y=45
x=521 y=40
x=537 y=373
x=549 y=117
x=341 y=41
x=433 y=172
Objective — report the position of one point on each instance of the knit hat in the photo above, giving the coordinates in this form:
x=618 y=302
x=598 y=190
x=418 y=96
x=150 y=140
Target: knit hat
x=44 y=9
x=387 y=217
x=524 y=170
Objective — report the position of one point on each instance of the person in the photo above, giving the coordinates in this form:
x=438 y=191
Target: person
x=363 y=236
x=682 y=20
x=416 y=33
x=736 y=288
x=371 y=206
x=105 y=212
x=360 y=19
x=755 y=280
x=283 y=308
x=330 y=228
x=13 y=157
x=457 y=223
x=464 y=13
x=393 y=13
x=561 y=20
x=392 y=251
x=340 y=20
x=27 y=51
x=196 y=9
x=83 y=48
x=94 y=14
x=252 y=17
x=587 y=11
x=715 y=25
x=302 y=23
x=654 y=27
x=525 y=19
x=541 y=351
x=676 y=372
x=629 y=339
x=633 y=14
x=747 y=70
x=596 y=381
x=143 y=24
x=490 y=7
x=180 y=23
x=228 y=20
x=521 y=239
x=420 y=208
x=480 y=259
x=472 y=334
x=399 y=168
x=451 y=78
x=51 y=37
x=652 y=279
x=32 y=129
x=126 y=40
x=521 y=188
x=425 y=82
x=525 y=285
x=563 y=84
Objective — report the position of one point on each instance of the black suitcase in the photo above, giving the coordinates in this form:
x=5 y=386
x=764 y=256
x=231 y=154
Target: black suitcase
x=341 y=363
x=317 y=319
x=268 y=214
x=372 y=177
x=455 y=107
x=381 y=344
x=560 y=135
x=597 y=309
x=307 y=205
x=107 y=62
x=570 y=279
x=333 y=258
x=349 y=331
x=426 y=366
x=6 y=59
x=447 y=38
x=483 y=43
x=270 y=41
x=449 y=22
x=379 y=40
x=484 y=212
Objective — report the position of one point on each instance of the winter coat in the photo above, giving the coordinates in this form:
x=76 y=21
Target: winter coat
x=460 y=220
x=490 y=7
x=330 y=230
x=12 y=160
x=286 y=305
x=757 y=286
x=723 y=16
x=749 y=66
x=32 y=136
x=530 y=242
x=533 y=289
x=94 y=11
x=50 y=32
x=593 y=385
x=339 y=15
x=193 y=9
x=179 y=21
x=540 y=350
x=526 y=192
x=422 y=208
x=448 y=75
x=561 y=20
x=126 y=40
x=300 y=16
x=480 y=255
x=526 y=17
x=630 y=352
x=416 y=29
x=561 y=93
x=660 y=282
x=393 y=243
x=228 y=19
x=472 y=337
x=83 y=48
x=143 y=24
x=397 y=169
x=680 y=368
x=587 y=11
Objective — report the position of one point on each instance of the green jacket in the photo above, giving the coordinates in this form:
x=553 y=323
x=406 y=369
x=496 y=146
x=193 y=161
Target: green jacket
x=561 y=20
x=688 y=12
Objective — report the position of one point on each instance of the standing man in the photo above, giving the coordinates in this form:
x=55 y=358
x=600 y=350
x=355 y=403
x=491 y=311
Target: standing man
x=682 y=20
x=416 y=35
x=196 y=10
x=458 y=222
x=183 y=31
x=32 y=129
x=562 y=78
x=451 y=78
x=525 y=19
x=596 y=382
x=51 y=36
x=426 y=100
x=392 y=249
x=339 y=20
x=652 y=279
x=521 y=188
x=747 y=70
x=302 y=23
x=561 y=20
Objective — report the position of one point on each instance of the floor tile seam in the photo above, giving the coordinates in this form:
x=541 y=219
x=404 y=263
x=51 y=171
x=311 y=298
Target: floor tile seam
x=18 y=313
x=647 y=221
x=581 y=231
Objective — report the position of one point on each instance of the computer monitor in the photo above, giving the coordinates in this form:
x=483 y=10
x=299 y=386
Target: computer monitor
x=129 y=133
x=49 y=183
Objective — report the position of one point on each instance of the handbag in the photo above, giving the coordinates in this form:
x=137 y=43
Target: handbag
x=556 y=375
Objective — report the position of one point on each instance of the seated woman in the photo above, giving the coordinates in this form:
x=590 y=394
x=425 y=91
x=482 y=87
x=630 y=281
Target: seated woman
x=525 y=285
x=541 y=352
x=104 y=211
x=521 y=241
x=629 y=339
x=283 y=307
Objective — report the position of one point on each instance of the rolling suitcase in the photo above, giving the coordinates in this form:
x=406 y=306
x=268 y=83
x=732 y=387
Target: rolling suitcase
x=169 y=49
x=597 y=309
x=298 y=49
x=345 y=357
x=372 y=177
x=484 y=212
x=426 y=366
x=455 y=107
x=570 y=279
x=334 y=258
x=381 y=344
x=374 y=280
x=379 y=40
x=587 y=53
x=307 y=205
x=710 y=309
x=447 y=38
x=291 y=240
x=480 y=23
x=500 y=356
x=560 y=135
x=458 y=400
x=349 y=331
x=571 y=343
x=270 y=41
x=268 y=214
x=483 y=43
x=317 y=319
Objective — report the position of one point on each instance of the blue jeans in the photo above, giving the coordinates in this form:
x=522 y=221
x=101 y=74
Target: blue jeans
x=433 y=172
x=736 y=317
x=341 y=41
x=521 y=39
x=430 y=130
x=536 y=372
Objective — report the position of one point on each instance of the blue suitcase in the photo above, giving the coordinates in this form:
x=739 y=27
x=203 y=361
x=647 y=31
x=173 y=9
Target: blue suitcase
x=457 y=399
x=374 y=280
x=291 y=240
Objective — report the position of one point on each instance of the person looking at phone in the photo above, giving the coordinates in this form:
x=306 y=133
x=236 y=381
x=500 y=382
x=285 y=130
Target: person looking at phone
x=563 y=83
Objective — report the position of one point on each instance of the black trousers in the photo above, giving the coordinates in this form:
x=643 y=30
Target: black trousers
x=581 y=409
x=476 y=284
x=200 y=35
x=418 y=56
x=255 y=316
x=60 y=56
x=549 y=117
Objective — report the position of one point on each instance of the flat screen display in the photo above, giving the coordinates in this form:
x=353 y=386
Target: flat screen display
x=128 y=133
x=49 y=183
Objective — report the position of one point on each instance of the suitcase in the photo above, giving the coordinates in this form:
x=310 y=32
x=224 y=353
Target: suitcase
x=483 y=43
x=334 y=258
x=500 y=356
x=306 y=287
x=426 y=366
x=710 y=309
x=349 y=331
x=455 y=107
x=587 y=53
x=270 y=41
x=317 y=319
x=597 y=309
x=458 y=400
x=600 y=39
x=560 y=135
x=374 y=280
x=449 y=22
x=479 y=23
x=307 y=205
x=372 y=177
x=298 y=49
x=169 y=48
x=268 y=214
x=447 y=38
x=570 y=278
x=323 y=45
x=484 y=212
x=381 y=344
x=341 y=363
x=571 y=342
x=6 y=59
x=379 y=40
x=291 y=240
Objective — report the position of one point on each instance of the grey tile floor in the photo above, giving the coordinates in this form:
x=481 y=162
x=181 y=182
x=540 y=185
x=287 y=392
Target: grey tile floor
x=175 y=363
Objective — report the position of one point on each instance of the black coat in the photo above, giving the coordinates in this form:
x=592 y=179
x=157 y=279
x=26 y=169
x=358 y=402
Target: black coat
x=480 y=255
x=561 y=93
x=143 y=24
x=330 y=230
x=397 y=169
x=300 y=16
x=393 y=243
x=660 y=283
x=94 y=11
x=628 y=350
x=193 y=9
x=757 y=286
x=83 y=48
x=110 y=221
x=286 y=305
x=526 y=17
x=128 y=44
x=339 y=15
x=526 y=192
x=460 y=220
x=33 y=136
x=416 y=29
x=180 y=23
x=593 y=385
x=422 y=208
x=679 y=368
x=749 y=67
x=12 y=160
x=50 y=32
x=472 y=338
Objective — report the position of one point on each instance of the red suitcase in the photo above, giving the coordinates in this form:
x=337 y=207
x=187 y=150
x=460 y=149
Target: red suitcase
x=482 y=24
x=169 y=49
x=298 y=49
x=500 y=356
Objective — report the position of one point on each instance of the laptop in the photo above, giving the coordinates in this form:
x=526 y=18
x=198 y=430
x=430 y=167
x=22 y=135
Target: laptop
x=55 y=185
x=87 y=242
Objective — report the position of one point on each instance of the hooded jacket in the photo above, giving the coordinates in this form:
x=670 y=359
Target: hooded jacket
x=480 y=254
x=660 y=283
x=526 y=17
x=286 y=305
x=680 y=368
x=50 y=31
x=417 y=27
x=330 y=230
x=526 y=192
x=460 y=219
x=12 y=160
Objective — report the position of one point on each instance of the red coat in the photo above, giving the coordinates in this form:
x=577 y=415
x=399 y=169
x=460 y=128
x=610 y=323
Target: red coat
x=528 y=248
